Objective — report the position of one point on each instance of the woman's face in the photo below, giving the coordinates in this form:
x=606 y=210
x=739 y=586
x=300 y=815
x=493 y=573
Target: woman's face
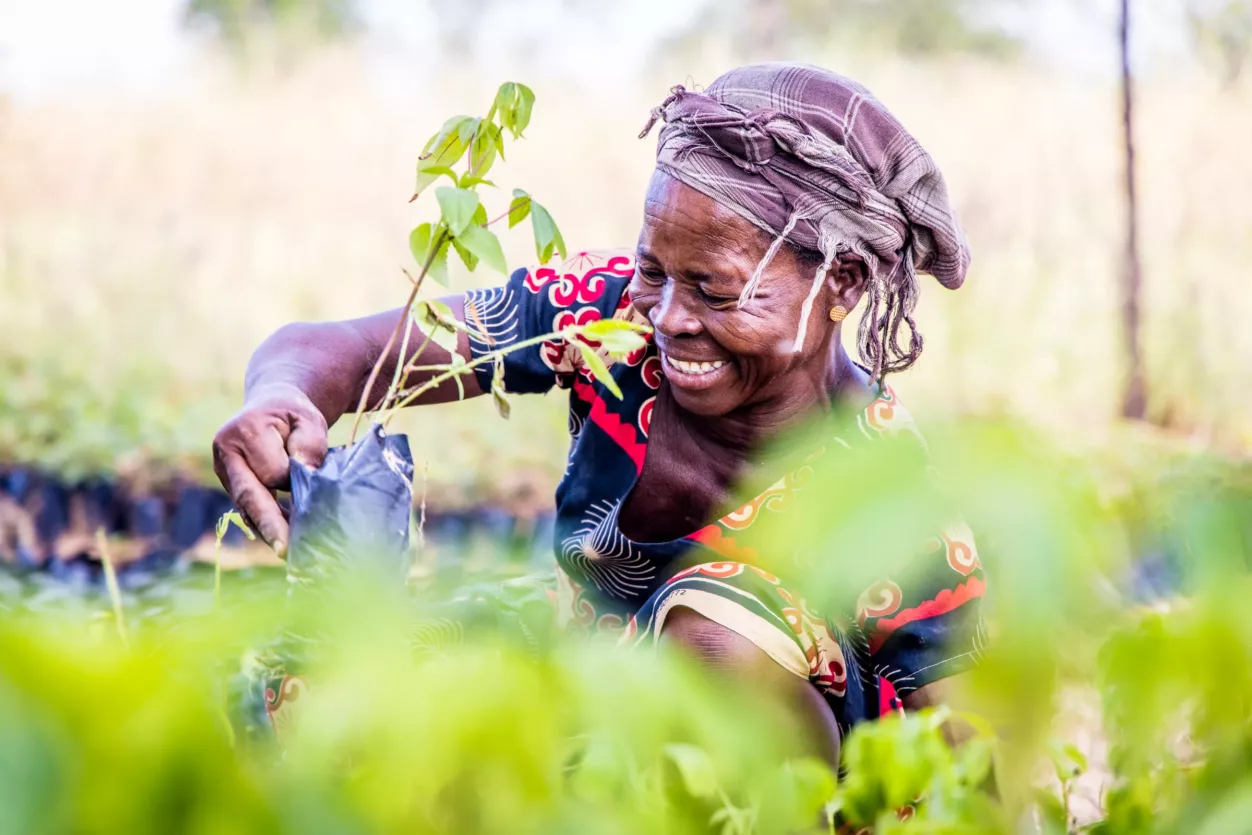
x=694 y=258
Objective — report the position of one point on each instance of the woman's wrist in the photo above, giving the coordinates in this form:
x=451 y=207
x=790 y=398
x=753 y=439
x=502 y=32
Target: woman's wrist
x=269 y=392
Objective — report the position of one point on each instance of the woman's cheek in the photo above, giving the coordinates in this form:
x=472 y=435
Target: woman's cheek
x=642 y=296
x=744 y=337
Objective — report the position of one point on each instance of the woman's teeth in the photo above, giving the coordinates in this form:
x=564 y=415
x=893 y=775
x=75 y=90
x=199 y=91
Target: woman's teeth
x=695 y=367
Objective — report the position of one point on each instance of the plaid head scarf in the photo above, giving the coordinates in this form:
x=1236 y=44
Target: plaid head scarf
x=814 y=159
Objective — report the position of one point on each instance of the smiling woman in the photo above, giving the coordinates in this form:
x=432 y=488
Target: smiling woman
x=783 y=195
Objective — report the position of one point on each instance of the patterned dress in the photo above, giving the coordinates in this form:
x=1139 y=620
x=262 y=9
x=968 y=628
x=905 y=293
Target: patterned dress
x=903 y=633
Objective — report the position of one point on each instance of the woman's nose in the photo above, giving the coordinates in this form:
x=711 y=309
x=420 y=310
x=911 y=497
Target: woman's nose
x=671 y=316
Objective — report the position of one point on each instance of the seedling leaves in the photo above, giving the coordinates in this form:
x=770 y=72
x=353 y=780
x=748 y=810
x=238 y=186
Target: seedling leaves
x=485 y=246
x=458 y=206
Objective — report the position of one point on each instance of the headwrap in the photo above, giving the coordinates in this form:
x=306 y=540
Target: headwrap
x=814 y=159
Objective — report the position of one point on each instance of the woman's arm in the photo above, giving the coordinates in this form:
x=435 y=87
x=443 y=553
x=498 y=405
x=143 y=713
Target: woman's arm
x=299 y=382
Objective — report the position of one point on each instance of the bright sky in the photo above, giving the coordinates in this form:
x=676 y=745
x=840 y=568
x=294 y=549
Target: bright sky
x=60 y=46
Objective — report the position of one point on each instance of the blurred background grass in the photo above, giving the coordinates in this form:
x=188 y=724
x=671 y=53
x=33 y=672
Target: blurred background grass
x=158 y=219
x=178 y=179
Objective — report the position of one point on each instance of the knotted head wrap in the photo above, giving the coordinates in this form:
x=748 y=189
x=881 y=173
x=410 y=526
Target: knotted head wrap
x=815 y=160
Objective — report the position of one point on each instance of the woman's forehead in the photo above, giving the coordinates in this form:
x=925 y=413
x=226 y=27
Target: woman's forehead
x=677 y=213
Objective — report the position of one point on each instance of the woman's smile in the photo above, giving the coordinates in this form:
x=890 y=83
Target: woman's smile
x=694 y=374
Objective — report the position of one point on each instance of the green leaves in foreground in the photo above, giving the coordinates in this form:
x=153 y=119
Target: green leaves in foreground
x=463 y=222
x=436 y=321
x=464 y=225
x=616 y=336
x=457 y=207
x=436 y=264
x=543 y=732
x=485 y=246
x=548 y=238
x=514 y=103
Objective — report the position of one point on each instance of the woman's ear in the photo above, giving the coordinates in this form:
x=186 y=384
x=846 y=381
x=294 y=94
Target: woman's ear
x=848 y=280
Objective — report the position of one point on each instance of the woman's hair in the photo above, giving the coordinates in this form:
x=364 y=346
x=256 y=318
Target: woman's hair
x=817 y=162
x=890 y=305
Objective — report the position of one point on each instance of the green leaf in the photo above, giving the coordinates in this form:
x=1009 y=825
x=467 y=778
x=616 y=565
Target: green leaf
x=467 y=129
x=974 y=760
x=501 y=401
x=1051 y=811
x=458 y=206
x=617 y=336
x=435 y=320
x=1067 y=760
x=441 y=152
x=519 y=209
x=468 y=182
x=469 y=259
x=547 y=236
x=696 y=769
x=427 y=171
x=812 y=781
x=598 y=772
x=596 y=365
x=485 y=245
x=483 y=149
x=419 y=245
x=506 y=96
x=506 y=106
x=233 y=517
x=498 y=393
x=458 y=361
x=525 y=104
x=450 y=129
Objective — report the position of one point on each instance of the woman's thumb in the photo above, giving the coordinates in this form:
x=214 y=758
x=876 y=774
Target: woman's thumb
x=307 y=442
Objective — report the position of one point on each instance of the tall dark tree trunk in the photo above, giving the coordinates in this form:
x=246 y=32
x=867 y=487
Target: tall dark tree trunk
x=1134 y=398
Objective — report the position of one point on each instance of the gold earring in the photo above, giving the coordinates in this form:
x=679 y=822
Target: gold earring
x=838 y=313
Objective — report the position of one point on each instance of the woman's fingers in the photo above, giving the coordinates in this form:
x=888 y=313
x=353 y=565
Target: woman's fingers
x=252 y=457
x=307 y=442
x=255 y=501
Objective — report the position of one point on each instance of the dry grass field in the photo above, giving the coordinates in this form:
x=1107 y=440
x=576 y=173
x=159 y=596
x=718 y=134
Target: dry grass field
x=147 y=245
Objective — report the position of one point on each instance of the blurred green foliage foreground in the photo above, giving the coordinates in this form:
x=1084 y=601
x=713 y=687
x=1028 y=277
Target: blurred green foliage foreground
x=137 y=730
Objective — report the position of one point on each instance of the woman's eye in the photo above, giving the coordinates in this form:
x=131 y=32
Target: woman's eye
x=652 y=277
x=716 y=299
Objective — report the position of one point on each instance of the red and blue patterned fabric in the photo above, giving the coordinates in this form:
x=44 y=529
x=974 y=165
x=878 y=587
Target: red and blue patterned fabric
x=902 y=633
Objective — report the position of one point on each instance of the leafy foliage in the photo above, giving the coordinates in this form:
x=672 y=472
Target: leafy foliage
x=555 y=732
x=464 y=225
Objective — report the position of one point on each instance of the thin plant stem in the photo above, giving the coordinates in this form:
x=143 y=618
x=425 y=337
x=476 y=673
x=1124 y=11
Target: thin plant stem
x=426 y=368
x=217 y=576
x=436 y=381
x=110 y=582
x=404 y=350
x=409 y=368
x=501 y=217
x=436 y=243
x=421 y=515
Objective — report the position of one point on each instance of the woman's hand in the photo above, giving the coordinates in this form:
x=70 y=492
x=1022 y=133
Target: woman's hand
x=301 y=380
x=252 y=455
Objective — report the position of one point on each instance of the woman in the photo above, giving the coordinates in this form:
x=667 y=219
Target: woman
x=783 y=196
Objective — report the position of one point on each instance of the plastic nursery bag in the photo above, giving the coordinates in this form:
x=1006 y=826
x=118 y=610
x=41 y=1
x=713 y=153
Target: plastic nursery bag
x=353 y=512
x=350 y=518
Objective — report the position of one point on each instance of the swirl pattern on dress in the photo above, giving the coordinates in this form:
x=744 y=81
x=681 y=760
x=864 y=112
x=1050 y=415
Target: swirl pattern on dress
x=605 y=557
x=491 y=315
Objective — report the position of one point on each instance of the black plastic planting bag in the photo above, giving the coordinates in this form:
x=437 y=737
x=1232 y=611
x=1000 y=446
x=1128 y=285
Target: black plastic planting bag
x=353 y=513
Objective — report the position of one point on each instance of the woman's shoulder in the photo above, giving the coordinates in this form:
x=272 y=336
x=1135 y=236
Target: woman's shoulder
x=886 y=416
x=583 y=278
